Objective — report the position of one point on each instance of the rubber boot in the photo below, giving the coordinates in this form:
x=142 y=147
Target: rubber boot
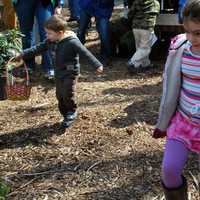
x=179 y=193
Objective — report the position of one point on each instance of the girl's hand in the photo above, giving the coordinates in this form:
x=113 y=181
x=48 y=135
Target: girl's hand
x=99 y=70
x=157 y=133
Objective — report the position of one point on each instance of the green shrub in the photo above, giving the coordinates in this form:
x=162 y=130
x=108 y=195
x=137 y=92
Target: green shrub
x=10 y=45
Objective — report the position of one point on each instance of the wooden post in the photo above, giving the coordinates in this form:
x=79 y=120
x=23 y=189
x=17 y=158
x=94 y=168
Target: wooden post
x=9 y=17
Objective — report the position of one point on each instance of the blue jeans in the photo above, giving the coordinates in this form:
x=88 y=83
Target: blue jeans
x=125 y=2
x=26 y=12
x=74 y=9
x=180 y=10
x=180 y=15
x=102 y=25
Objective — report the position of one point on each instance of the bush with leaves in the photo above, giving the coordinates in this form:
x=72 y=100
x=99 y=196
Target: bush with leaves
x=10 y=45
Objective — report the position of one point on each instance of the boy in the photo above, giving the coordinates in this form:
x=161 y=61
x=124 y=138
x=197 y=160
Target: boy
x=143 y=14
x=66 y=47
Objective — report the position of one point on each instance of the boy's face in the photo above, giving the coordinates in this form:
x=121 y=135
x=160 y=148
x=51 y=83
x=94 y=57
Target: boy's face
x=53 y=36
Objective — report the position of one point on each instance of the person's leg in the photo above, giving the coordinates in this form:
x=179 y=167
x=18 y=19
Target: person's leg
x=65 y=92
x=146 y=61
x=59 y=96
x=175 y=157
x=69 y=88
x=59 y=90
x=180 y=15
x=77 y=9
x=143 y=48
x=42 y=14
x=103 y=30
x=125 y=2
x=70 y=6
x=70 y=2
x=74 y=9
x=137 y=37
x=25 y=12
x=83 y=25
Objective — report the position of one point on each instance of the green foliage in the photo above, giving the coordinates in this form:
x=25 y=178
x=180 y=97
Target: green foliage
x=4 y=190
x=10 y=45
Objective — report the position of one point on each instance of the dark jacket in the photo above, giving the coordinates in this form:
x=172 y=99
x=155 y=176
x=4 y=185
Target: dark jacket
x=98 y=8
x=45 y=2
x=65 y=55
x=143 y=14
x=54 y=2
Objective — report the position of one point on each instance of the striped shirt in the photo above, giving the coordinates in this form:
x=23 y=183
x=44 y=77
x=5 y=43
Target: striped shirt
x=189 y=101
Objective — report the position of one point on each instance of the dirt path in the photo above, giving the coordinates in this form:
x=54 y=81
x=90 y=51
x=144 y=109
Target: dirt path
x=108 y=153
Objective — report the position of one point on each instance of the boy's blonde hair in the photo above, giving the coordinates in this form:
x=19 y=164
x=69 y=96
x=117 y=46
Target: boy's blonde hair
x=56 y=24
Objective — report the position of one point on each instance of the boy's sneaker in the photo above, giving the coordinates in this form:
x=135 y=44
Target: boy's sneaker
x=69 y=119
x=71 y=115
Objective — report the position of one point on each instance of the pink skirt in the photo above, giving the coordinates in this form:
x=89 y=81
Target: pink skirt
x=182 y=130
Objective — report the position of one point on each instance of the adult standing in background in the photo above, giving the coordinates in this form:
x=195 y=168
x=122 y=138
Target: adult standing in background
x=26 y=11
x=181 y=5
x=125 y=2
x=74 y=8
x=102 y=11
x=143 y=14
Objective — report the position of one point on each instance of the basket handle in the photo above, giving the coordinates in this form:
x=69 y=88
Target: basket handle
x=27 y=75
x=26 y=70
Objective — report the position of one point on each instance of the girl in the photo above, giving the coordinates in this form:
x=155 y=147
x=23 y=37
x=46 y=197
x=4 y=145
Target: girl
x=179 y=114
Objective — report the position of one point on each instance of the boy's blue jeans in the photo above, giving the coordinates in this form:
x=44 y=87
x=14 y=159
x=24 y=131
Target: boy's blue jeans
x=74 y=9
x=102 y=25
x=26 y=12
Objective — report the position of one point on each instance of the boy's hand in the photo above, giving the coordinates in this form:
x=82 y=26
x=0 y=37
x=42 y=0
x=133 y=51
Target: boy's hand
x=17 y=57
x=58 y=10
x=99 y=70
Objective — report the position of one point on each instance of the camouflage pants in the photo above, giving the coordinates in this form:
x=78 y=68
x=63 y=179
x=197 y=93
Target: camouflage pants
x=144 y=40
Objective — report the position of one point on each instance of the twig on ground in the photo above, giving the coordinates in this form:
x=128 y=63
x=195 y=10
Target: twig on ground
x=94 y=165
x=23 y=186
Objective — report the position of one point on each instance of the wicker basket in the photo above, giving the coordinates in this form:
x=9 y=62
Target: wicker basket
x=18 y=82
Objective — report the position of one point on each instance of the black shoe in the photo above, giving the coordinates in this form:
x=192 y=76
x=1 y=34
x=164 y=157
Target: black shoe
x=49 y=75
x=148 y=67
x=132 y=69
